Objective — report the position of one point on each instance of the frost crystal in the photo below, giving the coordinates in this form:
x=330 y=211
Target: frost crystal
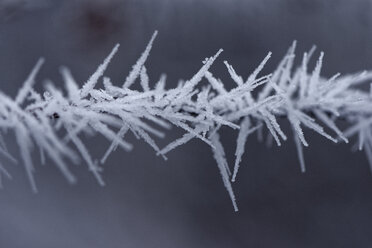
x=54 y=122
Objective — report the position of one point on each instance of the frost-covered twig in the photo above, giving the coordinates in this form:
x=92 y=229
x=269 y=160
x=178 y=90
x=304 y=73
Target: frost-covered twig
x=54 y=121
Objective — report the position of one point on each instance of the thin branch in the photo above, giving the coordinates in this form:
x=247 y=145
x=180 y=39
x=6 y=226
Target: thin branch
x=53 y=121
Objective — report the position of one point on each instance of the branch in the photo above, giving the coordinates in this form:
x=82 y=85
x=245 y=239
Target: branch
x=54 y=121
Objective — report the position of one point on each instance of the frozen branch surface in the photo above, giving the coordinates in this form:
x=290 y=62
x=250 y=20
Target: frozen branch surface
x=53 y=121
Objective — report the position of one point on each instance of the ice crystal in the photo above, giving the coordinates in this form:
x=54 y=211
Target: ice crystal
x=53 y=122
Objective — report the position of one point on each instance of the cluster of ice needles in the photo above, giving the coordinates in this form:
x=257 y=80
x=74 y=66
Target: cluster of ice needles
x=54 y=121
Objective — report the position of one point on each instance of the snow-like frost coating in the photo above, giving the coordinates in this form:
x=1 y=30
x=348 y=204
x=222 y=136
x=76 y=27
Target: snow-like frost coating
x=200 y=106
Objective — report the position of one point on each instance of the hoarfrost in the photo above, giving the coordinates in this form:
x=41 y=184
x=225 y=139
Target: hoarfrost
x=200 y=106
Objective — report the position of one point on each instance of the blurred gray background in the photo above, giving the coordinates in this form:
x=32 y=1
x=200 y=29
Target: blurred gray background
x=181 y=202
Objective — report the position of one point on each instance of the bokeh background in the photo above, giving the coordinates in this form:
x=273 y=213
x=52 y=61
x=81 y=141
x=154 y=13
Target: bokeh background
x=181 y=202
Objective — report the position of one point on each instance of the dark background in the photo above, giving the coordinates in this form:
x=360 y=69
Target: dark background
x=181 y=202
